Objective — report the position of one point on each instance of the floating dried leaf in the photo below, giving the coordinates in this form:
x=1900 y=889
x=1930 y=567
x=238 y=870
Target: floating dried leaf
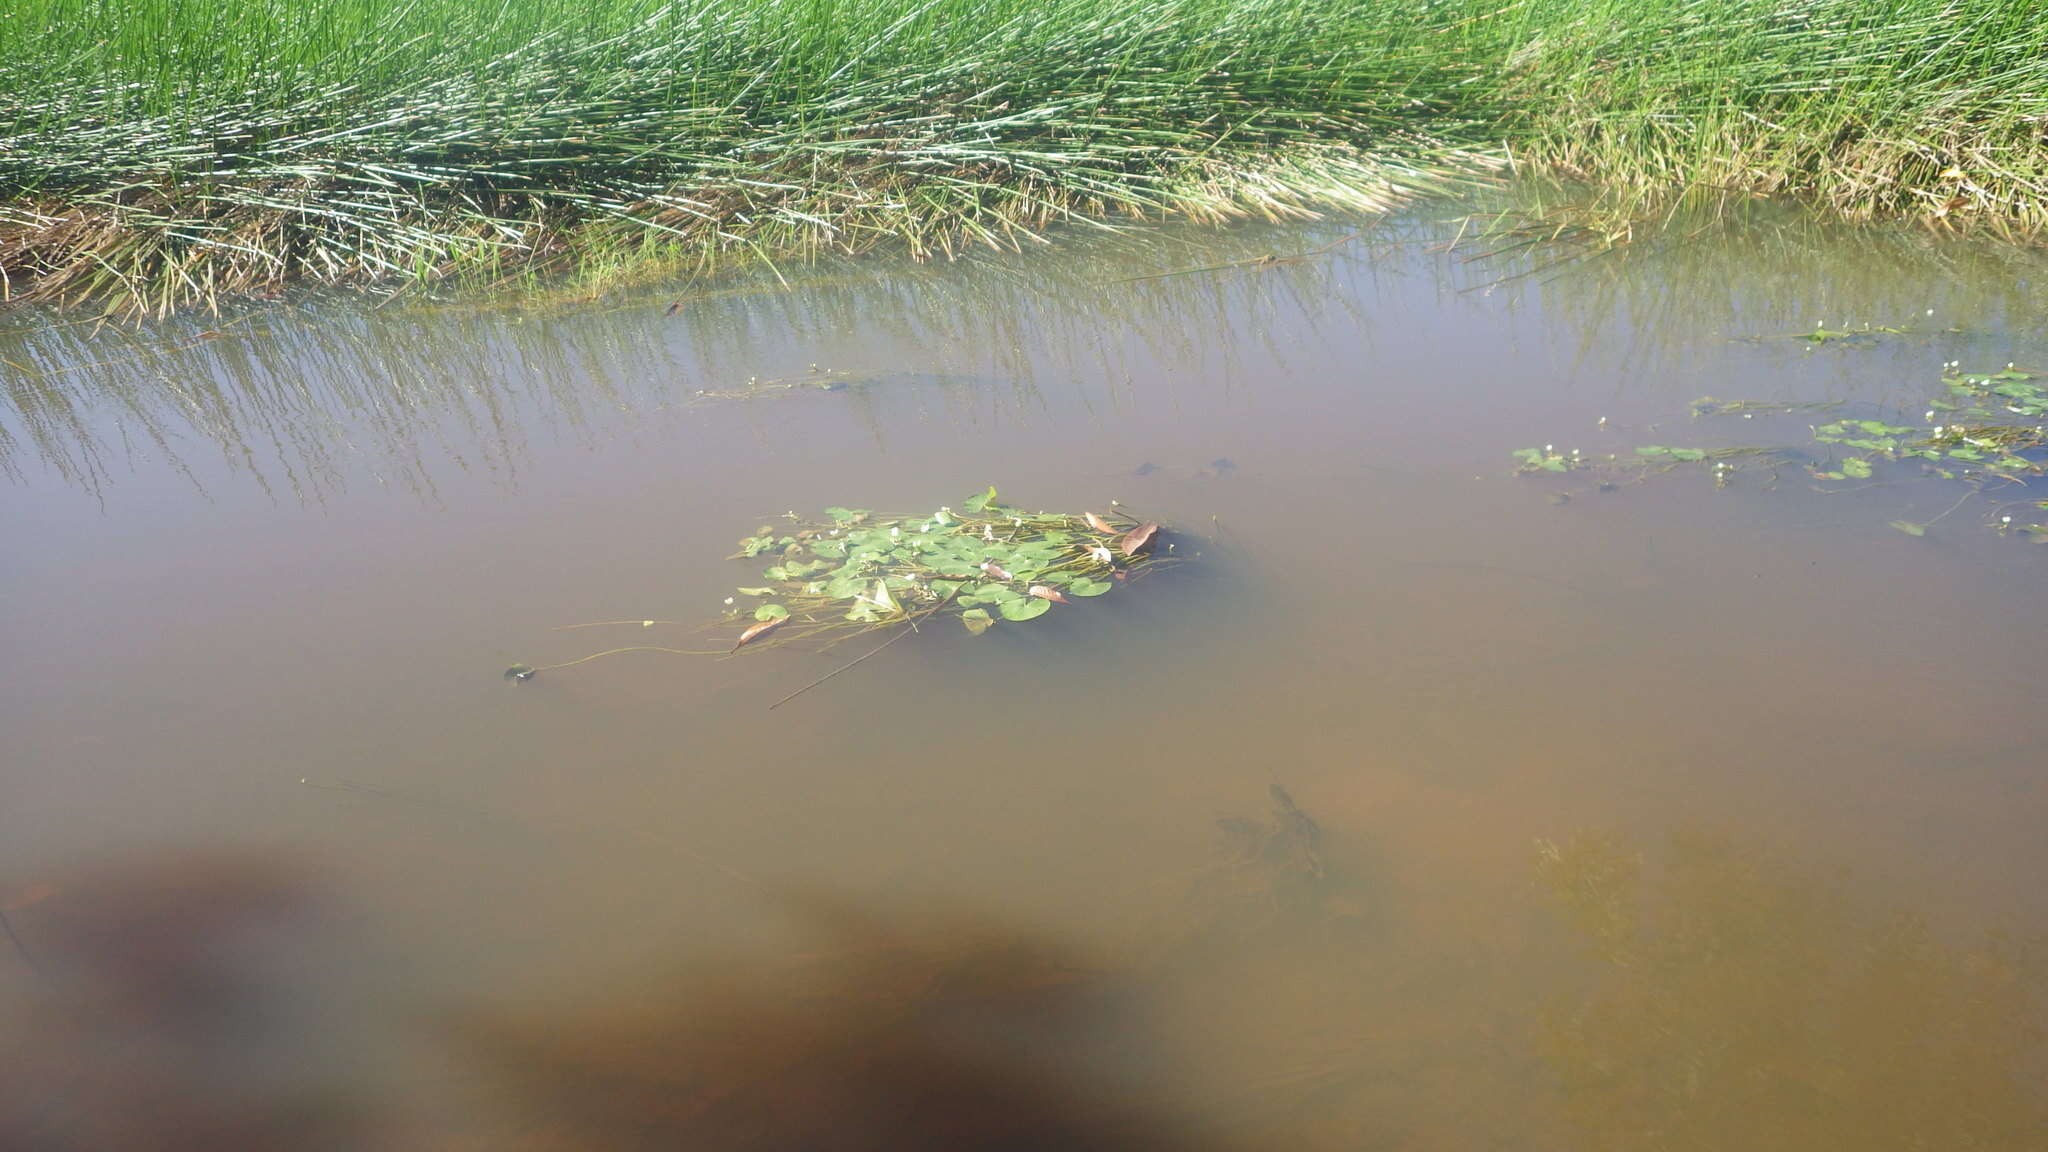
x=1098 y=523
x=996 y=570
x=1139 y=537
x=757 y=631
x=1046 y=592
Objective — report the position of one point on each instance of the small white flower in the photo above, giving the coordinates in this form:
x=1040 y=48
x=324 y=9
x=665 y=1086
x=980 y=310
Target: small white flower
x=2005 y=519
x=1549 y=448
x=1930 y=311
x=1928 y=416
x=988 y=532
x=1602 y=422
x=728 y=600
x=895 y=533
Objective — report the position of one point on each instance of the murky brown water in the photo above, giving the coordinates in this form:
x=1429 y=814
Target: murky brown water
x=1666 y=817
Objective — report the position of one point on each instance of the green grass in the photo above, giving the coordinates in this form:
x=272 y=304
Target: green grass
x=160 y=152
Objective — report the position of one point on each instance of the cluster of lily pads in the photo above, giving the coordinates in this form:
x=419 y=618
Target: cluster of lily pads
x=1985 y=429
x=985 y=561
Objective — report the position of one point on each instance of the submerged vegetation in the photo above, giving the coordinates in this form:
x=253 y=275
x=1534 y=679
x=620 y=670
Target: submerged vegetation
x=156 y=154
x=1986 y=430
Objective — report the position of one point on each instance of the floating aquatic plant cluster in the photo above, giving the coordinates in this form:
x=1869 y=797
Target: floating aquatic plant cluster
x=1986 y=429
x=984 y=562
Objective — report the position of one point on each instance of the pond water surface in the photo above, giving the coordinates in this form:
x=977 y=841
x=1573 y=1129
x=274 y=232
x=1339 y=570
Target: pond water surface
x=1670 y=816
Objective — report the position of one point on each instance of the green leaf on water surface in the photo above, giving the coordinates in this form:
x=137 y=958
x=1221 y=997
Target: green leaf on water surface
x=977 y=620
x=1652 y=450
x=849 y=515
x=1554 y=464
x=829 y=547
x=1886 y=445
x=777 y=573
x=1910 y=528
x=1689 y=455
x=770 y=612
x=981 y=501
x=1856 y=468
x=1529 y=455
x=1024 y=608
x=1966 y=453
x=755 y=591
x=845 y=584
x=1000 y=594
x=1087 y=586
x=1880 y=428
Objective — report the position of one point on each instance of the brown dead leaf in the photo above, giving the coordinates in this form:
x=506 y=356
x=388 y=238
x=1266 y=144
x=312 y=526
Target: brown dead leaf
x=1139 y=537
x=757 y=631
x=996 y=570
x=1045 y=592
x=1098 y=523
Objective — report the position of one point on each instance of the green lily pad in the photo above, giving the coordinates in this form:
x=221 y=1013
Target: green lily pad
x=1024 y=608
x=977 y=620
x=1087 y=586
x=771 y=612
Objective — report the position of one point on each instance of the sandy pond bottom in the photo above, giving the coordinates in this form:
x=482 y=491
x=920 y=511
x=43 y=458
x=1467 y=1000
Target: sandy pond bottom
x=1661 y=817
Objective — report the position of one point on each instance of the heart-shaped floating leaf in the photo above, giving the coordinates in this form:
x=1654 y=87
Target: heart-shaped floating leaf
x=1044 y=592
x=1098 y=523
x=757 y=631
x=1910 y=528
x=977 y=503
x=755 y=591
x=977 y=620
x=1139 y=537
x=1023 y=608
x=1087 y=586
x=770 y=612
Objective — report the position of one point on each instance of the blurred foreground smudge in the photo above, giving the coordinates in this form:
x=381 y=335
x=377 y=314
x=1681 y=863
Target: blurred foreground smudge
x=954 y=1035
x=158 y=1003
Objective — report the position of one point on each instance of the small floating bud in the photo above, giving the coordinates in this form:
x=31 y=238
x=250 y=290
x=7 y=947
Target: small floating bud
x=2005 y=519
x=895 y=533
x=1928 y=416
x=1549 y=448
x=728 y=601
x=1602 y=422
x=1930 y=311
